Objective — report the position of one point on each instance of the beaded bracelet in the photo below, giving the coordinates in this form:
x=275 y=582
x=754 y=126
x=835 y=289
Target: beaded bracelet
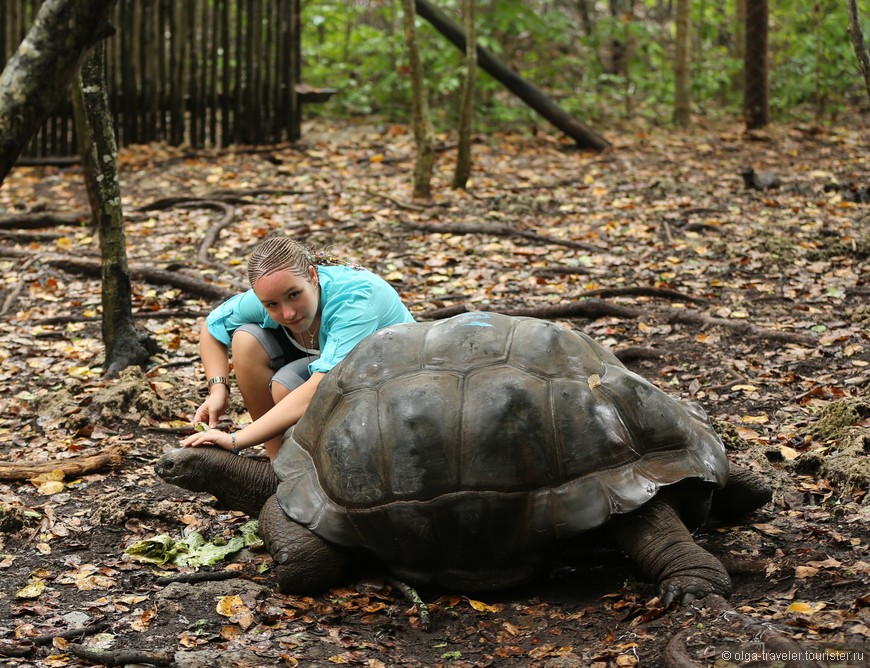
x=233 y=441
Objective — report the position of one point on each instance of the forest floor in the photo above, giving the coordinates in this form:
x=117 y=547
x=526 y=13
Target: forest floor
x=752 y=303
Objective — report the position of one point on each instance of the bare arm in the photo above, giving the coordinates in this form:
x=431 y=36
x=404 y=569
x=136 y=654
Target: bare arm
x=275 y=422
x=215 y=361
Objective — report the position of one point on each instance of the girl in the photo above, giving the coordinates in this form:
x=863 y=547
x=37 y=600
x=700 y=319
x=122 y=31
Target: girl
x=299 y=319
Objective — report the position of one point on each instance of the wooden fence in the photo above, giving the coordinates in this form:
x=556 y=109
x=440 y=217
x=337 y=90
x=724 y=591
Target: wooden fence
x=197 y=72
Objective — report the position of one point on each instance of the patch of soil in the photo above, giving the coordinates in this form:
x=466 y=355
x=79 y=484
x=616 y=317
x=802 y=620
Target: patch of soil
x=667 y=213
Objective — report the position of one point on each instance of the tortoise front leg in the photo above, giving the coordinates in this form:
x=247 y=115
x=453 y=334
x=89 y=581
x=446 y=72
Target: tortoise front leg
x=658 y=541
x=304 y=562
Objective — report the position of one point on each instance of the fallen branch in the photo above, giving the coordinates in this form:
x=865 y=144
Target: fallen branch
x=11 y=298
x=124 y=657
x=499 y=230
x=71 y=467
x=22 y=651
x=35 y=221
x=594 y=308
x=80 y=632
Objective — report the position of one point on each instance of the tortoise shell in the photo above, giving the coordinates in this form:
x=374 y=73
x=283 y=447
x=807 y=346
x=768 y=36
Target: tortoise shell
x=482 y=439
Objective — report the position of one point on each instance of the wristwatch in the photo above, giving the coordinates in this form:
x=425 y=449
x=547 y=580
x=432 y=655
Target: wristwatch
x=216 y=380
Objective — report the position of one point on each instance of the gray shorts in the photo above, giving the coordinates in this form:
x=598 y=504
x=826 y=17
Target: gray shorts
x=289 y=360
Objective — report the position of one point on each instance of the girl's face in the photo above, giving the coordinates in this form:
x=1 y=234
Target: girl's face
x=290 y=300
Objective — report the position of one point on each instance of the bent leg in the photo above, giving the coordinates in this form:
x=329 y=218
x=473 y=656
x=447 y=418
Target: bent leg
x=253 y=374
x=658 y=541
x=305 y=563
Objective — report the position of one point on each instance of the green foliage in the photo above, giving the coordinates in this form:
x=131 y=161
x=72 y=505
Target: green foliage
x=359 y=49
x=813 y=65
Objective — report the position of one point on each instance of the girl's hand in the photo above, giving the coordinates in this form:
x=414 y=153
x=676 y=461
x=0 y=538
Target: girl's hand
x=211 y=409
x=210 y=437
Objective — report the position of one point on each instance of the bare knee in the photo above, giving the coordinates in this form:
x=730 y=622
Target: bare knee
x=247 y=347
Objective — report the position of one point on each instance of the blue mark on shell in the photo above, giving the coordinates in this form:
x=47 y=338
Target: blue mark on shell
x=475 y=320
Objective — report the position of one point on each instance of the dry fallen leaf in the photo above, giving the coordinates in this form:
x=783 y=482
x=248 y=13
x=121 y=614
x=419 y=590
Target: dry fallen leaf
x=806 y=608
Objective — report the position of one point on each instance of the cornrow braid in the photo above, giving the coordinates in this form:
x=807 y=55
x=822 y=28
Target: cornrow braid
x=276 y=254
x=279 y=253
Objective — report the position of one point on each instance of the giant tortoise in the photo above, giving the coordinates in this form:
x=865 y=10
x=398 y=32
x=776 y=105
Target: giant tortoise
x=463 y=452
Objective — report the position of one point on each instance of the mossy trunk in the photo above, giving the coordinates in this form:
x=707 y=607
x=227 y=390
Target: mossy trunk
x=37 y=76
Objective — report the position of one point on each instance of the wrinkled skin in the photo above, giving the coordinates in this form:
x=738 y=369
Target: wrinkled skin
x=306 y=564
x=654 y=536
x=658 y=541
x=239 y=483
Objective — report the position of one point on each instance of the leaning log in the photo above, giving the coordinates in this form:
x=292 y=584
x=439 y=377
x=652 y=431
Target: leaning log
x=533 y=96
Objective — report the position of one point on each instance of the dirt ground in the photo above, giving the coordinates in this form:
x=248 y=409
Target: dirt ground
x=754 y=304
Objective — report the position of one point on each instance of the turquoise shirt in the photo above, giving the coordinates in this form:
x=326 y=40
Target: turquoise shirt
x=354 y=303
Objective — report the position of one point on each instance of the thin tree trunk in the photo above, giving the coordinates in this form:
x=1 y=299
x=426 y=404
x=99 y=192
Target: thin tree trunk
x=682 y=61
x=526 y=91
x=739 y=49
x=858 y=43
x=466 y=102
x=36 y=78
x=125 y=345
x=423 y=132
x=755 y=102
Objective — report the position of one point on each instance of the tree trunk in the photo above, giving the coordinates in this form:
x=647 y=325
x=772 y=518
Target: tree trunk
x=527 y=92
x=37 y=76
x=755 y=104
x=682 y=61
x=739 y=48
x=466 y=100
x=423 y=132
x=858 y=43
x=125 y=345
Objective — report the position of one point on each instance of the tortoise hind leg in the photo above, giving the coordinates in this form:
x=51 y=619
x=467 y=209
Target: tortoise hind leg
x=744 y=492
x=658 y=541
x=304 y=562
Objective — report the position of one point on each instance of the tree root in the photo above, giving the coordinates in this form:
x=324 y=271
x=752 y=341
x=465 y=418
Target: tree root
x=138 y=272
x=124 y=657
x=71 y=467
x=35 y=221
x=631 y=353
x=644 y=291
x=198 y=576
x=81 y=632
x=500 y=230
x=733 y=625
x=593 y=308
x=23 y=651
x=411 y=595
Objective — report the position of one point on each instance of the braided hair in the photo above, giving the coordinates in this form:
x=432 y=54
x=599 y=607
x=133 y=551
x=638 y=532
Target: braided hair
x=276 y=254
x=283 y=253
